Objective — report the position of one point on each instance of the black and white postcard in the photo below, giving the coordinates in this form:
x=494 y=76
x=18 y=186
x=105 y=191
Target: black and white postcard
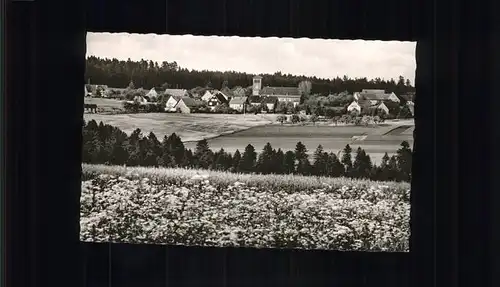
x=248 y=142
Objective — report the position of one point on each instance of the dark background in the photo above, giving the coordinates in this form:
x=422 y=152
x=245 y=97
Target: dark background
x=453 y=240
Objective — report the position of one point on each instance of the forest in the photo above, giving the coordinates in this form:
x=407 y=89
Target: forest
x=148 y=74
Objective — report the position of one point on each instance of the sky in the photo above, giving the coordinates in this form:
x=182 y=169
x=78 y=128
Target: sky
x=255 y=55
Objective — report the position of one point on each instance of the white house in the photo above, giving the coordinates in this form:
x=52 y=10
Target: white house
x=238 y=103
x=354 y=106
x=187 y=105
x=383 y=107
x=207 y=96
x=171 y=103
x=152 y=94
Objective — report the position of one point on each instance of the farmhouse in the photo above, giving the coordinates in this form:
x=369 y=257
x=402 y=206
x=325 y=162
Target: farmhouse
x=187 y=105
x=375 y=96
x=152 y=94
x=216 y=100
x=238 y=103
x=176 y=92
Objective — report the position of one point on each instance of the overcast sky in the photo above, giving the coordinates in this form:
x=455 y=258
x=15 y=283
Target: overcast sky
x=309 y=57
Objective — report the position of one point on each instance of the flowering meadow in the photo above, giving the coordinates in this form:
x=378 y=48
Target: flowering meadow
x=210 y=208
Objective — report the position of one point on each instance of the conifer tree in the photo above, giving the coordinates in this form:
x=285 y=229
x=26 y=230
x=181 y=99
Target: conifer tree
x=320 y=161
x=392 y=171
x=247 y=163
x=383 y=169
x=404 y=161
x=133 y=149
x=119 y=154
x=219 y=159
x=177 y=149
x=302 y=158
x=347 y=160
x=265 y=160
x=203 y=154
x=334 y=167
x=289 y=162
x=236 y=161
x=278 y=162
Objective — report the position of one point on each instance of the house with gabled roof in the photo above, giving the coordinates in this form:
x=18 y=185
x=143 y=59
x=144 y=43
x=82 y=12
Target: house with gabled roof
x=354 y=106
x=238 y=103
x=187 y=105
x=216 y=100
x=171 y=103
x=207 y=95
x=374 y=96
x=152 y=94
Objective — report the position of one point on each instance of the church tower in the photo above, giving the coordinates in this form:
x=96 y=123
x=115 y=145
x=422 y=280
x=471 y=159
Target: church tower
x=256 y=85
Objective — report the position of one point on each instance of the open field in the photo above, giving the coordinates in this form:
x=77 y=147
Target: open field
x=190 y=127
x=333 y=139
x=210 y=208
x=233 y=132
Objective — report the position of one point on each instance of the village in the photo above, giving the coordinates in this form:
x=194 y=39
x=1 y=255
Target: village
x=256 y=98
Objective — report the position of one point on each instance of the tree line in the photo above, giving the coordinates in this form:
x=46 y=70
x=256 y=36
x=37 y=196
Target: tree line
x=148 y=74
x=105 y=144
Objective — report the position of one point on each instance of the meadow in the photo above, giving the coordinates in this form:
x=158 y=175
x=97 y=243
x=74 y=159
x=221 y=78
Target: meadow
x=233 y=132
x=211 y=208
x=190 y=127
x=376 y=141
